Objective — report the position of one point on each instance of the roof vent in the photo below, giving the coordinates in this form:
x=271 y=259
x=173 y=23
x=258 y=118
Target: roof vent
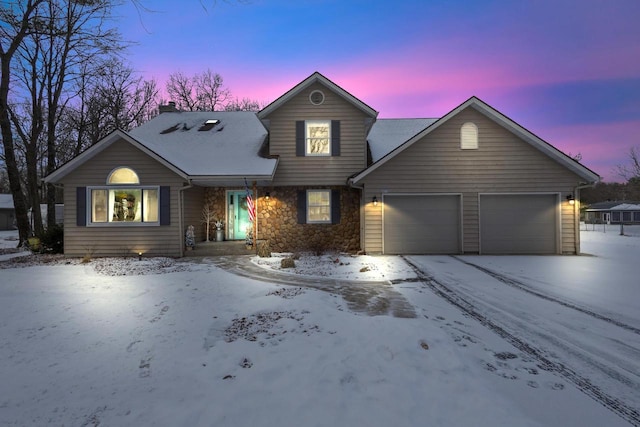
x=208 y=125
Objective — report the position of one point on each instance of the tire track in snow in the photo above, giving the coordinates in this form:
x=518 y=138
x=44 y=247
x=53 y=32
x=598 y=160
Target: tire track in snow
x=523 y=287
x=612 y=403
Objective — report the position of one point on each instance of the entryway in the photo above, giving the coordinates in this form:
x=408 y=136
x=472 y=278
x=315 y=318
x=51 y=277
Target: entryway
x=237 y=215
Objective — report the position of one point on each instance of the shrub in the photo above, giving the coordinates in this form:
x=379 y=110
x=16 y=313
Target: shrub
x=52 y=240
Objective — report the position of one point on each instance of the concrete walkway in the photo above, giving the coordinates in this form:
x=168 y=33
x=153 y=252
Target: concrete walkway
x=372 y=298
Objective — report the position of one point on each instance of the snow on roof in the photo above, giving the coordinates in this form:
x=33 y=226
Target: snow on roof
x=193 y=142
x=387 y=134
x=626 y=207
x=6 y=201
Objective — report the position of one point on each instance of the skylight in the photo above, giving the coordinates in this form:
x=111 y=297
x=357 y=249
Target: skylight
x=209 y=124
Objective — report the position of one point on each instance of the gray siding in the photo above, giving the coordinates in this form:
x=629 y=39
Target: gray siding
x=293 y=170
x=121 y=240
x=502 y=164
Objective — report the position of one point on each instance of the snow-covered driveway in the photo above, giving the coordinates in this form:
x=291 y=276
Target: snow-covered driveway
x=578 y=316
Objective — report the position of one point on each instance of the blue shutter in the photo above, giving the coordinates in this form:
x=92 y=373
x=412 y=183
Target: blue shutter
x=302 y=207
x=165 y=205
x=81 y=206
x=300 y=146
x=335 y=206
x=335 y=137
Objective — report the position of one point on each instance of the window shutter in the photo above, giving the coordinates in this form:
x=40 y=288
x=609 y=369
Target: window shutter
x=81 y=206
x=165 y=205
x=335 y=137
x=302 y=207
x=300 y=146
x=335 y=206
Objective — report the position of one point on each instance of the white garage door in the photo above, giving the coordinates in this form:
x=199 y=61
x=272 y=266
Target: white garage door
x=518 y=224
x=421 y=224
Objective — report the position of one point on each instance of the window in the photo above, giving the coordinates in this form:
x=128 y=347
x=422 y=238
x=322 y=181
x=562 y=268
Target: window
x=124 y=202
x=469 y=136
x=636 y=217
x=318 y=206
x=626 y=216
x=317 y=137
x=615 y=216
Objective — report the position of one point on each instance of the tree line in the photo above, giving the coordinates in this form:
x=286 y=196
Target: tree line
x=65 y=85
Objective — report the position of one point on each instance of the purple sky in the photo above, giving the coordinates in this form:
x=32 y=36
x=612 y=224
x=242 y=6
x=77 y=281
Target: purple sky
x=569 y=71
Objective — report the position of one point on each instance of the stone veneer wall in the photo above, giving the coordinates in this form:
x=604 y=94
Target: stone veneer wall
x=278 y=223
x=215 y=198
x=278 y=220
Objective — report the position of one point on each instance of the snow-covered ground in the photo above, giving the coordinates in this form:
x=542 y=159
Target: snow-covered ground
x=119 y=342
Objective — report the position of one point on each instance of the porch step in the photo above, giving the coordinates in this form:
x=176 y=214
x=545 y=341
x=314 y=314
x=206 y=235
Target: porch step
x=230 y=247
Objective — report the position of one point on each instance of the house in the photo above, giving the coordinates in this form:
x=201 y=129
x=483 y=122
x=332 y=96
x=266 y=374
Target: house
x=615 y=212
x=325 y=173
x=7 y=212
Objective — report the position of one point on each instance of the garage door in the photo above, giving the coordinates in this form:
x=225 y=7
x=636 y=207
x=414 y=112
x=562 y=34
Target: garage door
x=421 y=224
x=518 y=224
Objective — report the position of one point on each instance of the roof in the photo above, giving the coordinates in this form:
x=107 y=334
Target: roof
x=220 y=147
x=582 y=171
x=317 y=78
x=387 y=134
x=205 y=149
x=6 y=201
x=614 y=206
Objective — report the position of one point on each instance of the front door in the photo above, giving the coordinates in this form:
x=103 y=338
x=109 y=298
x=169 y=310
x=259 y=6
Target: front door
x=237 y=215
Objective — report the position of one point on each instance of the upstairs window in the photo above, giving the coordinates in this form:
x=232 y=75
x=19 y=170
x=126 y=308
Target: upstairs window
x=469 y=136
x=318 y=137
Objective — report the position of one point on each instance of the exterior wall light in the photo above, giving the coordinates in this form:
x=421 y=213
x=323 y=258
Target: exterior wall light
x=570 y=199
x=267 y=196
x=375 y=201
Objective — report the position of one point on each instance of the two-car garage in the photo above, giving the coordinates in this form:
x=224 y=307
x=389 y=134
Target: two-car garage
x=506 y=224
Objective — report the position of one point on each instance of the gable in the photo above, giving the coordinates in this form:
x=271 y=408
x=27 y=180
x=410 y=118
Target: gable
x=323 y=84
x=95 y=170
x=489 y=115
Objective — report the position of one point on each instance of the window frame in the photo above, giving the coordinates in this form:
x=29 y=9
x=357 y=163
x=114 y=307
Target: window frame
x=127 y=187
x=307 y=138
x=329 y=206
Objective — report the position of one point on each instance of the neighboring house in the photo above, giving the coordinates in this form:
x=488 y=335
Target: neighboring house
x=326 y=174
x=7 y=212
x=613 y=213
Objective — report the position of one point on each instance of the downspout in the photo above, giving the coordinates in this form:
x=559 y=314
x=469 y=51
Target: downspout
x=576 y=225
x=180 y=215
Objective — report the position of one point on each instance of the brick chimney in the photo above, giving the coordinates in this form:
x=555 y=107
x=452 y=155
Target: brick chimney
x=169 y=108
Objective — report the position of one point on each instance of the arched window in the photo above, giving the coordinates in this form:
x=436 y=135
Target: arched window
x=123 y=175
x=469 y=136
x=124 y=200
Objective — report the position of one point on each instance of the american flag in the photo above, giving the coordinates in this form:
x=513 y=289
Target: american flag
x=251 y=207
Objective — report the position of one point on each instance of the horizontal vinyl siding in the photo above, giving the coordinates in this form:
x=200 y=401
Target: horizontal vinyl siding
x=120 y=240
x=502 y=164
x=294 y=170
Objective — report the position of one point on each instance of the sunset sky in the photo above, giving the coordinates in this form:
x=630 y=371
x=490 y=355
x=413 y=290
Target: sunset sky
x=568 y=71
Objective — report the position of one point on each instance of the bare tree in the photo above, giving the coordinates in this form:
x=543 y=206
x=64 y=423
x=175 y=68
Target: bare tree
x=244 y=104
x=203 y=91
x=631 y=170
x=15 y=19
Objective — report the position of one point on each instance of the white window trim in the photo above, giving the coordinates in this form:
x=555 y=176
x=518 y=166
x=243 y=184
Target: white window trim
x=328 y=221
x=469 y=136
x=307 y=137
x=89 y=206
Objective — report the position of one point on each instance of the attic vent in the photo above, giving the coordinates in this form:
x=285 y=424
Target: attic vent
x=316 y=97
x=208 y=125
